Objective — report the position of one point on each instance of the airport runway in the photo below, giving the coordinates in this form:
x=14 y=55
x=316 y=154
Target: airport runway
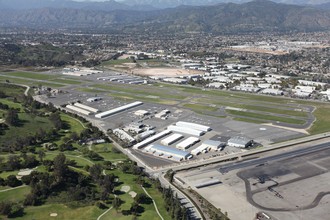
x=261 y=161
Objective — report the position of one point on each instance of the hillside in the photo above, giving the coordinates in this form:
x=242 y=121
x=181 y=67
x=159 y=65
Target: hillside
x=222 y=18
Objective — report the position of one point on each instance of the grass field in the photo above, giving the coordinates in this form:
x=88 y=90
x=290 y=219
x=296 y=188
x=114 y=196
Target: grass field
x=30 y=75
x=30 y=82
x=200 y=108
x=322 y=123
x=67 y=81
x=11 y=104
x=266 y=117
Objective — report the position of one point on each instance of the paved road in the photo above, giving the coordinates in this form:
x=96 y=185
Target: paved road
x=240 y=165
x=193 y=211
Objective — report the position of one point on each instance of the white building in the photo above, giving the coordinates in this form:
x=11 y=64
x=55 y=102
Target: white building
x=183 y=145
x=239 y=142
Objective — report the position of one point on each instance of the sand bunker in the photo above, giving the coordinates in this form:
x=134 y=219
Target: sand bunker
x=125 y=189
x=132 y=193
x=53 y=214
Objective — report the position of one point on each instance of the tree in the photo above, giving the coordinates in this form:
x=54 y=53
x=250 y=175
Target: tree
x=96 y=171
x=12 y=181
x=60 y=167
x=13 y=162
x=116 y=203
x=41 y=155
x=141 y=198
x=12 y=117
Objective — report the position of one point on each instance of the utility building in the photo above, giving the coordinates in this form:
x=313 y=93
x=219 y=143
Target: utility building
x=171 y=139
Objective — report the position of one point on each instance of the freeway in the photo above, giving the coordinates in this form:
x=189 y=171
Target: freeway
x=261 y=161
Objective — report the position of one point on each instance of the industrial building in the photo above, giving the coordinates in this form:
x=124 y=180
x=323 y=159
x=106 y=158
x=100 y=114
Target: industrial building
x=117 y=110
x=168 y=152
x=151 y=139
x=207 y=146
x=240 y=142
x=85 y=107
x=123 y=136
x=171 y=139
x=183 y=145
x=193 y=126
x=78 y=110
x=208 y=183
x=186 y=130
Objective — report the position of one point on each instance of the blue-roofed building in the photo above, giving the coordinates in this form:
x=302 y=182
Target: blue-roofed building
x=172 y=153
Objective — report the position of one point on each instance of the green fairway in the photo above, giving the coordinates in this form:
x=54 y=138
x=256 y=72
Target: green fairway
x=11 y=104
x=63 y=212
x=15 y=195
x=105 y=150
x=30 y=125
x=12 y=90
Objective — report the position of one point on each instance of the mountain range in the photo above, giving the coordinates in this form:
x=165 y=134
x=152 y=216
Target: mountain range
x=255 y=16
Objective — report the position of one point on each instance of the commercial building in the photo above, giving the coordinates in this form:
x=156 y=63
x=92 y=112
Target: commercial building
x=187 y=143
x=193 y=126
x=162 y=114
x=117 y=110
x=171 y=139
x=167 y=152
x=78 y=110
x=151 y=139
x=85 y=107
x=240 y=142
x=185 y=130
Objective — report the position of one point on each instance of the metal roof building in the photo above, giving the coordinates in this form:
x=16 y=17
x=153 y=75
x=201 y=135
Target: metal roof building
x=241 y=142
x=208 y=145
x=117 y=110
x=175 y=153
x=85 y=107
x=185 y=130
x=187 y=143
x=193 y=126
x=171 y=139
x=151 y=139
x=79 y=110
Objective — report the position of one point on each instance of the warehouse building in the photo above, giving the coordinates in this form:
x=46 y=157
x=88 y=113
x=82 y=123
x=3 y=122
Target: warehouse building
x=85 y=107
x=167 y=152
x=240 y=142
x=183 y=145
x=171 y=139
x=118 y=110
x=78 y=110
x=207 y=146
x=185 y=130
x=193 y=126
x=151 y=139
